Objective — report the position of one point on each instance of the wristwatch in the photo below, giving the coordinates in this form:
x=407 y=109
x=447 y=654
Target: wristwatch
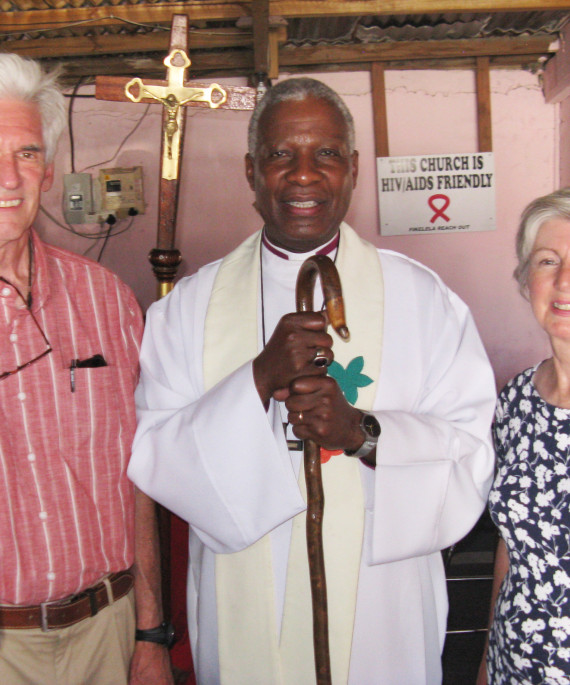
x=371 y=428
x=162 y=635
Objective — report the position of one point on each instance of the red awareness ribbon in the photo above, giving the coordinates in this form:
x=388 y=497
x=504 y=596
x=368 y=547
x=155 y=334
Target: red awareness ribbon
x=439 y=212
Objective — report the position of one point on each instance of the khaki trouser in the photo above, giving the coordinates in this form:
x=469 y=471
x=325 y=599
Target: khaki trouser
x=96 y=651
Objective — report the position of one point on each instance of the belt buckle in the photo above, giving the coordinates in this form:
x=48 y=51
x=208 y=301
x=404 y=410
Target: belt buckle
x=43 y=614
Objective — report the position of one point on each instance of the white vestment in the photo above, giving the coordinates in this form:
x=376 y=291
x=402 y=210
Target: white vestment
x=219 y=461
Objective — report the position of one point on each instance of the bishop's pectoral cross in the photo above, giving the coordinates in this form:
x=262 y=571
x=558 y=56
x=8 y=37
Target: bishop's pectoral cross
x=173 y=94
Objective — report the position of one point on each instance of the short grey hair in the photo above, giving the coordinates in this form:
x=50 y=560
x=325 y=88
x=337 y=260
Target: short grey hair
x=299 y=88
x=543 y=209
x=26 y=80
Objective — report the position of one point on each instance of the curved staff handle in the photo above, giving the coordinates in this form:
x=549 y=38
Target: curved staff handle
x=332 y=291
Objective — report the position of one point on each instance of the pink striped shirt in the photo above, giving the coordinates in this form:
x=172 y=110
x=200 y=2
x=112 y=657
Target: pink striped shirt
x=66 y=505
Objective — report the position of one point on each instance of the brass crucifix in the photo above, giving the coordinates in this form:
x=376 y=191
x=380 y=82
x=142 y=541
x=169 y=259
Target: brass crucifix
x=173 y=94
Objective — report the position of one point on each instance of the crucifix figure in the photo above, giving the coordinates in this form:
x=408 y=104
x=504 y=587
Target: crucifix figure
x=174 y=94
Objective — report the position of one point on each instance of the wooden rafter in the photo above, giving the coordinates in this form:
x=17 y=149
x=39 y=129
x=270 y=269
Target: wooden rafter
x=484 y=128
x=512 y=48
x=42 y=16
x=415 y=50
x=381 y=145
x=148 y=42
x=260 y=10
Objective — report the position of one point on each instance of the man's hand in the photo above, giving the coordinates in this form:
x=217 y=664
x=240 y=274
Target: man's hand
x=319 y=411
x=150 y=665
x=289 y=354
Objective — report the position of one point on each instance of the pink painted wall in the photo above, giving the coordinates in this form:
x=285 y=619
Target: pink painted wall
x=428 y=112
x=565 y=142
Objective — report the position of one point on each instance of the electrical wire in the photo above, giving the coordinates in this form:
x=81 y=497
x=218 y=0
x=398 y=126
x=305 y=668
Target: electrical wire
x=70 y=122
x=28 y=27
x=59 y=26
x=111 y=235
x=108 y=233
x=80 y=234
x=105 y=241
x=139 y=122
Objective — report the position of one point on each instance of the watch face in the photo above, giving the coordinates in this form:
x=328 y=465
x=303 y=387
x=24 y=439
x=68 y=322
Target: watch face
x=371 y=425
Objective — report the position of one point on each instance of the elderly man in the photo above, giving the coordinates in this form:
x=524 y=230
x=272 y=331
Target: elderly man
x=70 y=340
x=405 y=410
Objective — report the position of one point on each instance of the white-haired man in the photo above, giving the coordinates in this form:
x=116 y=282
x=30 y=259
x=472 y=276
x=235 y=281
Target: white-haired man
x=71 y=547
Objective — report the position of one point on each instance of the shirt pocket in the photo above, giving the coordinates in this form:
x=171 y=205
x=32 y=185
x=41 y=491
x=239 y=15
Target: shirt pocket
x=97 y=416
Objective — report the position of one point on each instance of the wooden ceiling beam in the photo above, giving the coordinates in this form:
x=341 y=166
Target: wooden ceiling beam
x=333 y=8
x=288 y=56
x=215 y=66
x=415 y=50
x=42 y=16
x=138 y=43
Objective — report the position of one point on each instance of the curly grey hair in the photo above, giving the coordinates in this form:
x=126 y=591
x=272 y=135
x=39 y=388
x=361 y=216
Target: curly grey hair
x=553 y=206
x=26 y=80
x=298 y=89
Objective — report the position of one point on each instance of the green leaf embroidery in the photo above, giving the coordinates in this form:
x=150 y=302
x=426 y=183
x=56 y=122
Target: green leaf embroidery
x=351 y=378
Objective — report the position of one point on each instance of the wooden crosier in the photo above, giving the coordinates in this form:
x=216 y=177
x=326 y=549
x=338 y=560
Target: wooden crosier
x=322 y=265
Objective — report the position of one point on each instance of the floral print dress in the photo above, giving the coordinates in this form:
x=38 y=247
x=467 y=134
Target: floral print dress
x=529 y=641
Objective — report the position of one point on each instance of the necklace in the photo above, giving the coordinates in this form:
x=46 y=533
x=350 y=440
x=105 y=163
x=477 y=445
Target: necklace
x=30 y=269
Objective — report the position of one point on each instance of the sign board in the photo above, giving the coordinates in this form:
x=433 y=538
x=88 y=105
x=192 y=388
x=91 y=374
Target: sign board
x=436 y=194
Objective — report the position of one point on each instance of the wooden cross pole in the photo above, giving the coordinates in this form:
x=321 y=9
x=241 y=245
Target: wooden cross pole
x=174 y=95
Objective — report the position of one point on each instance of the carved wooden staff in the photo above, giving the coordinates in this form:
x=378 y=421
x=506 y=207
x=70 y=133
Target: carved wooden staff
x=332 y=291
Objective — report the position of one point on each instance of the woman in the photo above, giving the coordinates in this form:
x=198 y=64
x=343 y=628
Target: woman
x=529 y=638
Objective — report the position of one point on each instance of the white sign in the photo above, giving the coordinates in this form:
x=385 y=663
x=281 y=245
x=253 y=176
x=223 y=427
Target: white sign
x=436 y=194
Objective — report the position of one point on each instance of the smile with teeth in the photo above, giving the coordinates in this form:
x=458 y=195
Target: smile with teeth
x=10 y=203
x=307 y=204
x=563 y=306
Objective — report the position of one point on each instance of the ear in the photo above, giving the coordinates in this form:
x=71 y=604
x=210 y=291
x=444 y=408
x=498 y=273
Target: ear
x=354 y=163
x=250 y=171
x=48 y=178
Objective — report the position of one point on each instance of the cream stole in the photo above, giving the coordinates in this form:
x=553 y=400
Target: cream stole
x=253 y=650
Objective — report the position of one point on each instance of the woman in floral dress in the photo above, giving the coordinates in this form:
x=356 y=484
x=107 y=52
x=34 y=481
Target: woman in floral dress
x=529 y=638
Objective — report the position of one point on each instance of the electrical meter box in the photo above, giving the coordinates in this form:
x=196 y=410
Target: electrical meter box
x=121 y=192
x=116 y=191
x=77 y=198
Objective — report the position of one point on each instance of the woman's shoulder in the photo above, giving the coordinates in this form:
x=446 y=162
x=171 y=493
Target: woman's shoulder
x=516 y=396
x=519 y=385
x=515 y=403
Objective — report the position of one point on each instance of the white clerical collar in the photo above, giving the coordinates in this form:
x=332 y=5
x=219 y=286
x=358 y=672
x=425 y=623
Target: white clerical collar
x=325 y=249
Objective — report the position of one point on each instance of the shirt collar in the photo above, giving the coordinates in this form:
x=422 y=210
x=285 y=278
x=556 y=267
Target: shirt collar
x=325 y=249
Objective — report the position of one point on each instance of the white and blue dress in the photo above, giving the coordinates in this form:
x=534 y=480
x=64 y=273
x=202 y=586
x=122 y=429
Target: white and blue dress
x=529 y=640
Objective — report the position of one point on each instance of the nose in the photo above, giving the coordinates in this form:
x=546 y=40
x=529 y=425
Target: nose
x=9 y=173
x=563 y=276
x=304 y=170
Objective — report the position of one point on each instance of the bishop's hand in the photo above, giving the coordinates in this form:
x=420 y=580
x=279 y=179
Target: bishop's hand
x=319 y=411
x=299 y=347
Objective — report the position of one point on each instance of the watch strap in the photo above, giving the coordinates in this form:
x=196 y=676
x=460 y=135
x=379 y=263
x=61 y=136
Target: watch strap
x=162 y=634
x=370 y=437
